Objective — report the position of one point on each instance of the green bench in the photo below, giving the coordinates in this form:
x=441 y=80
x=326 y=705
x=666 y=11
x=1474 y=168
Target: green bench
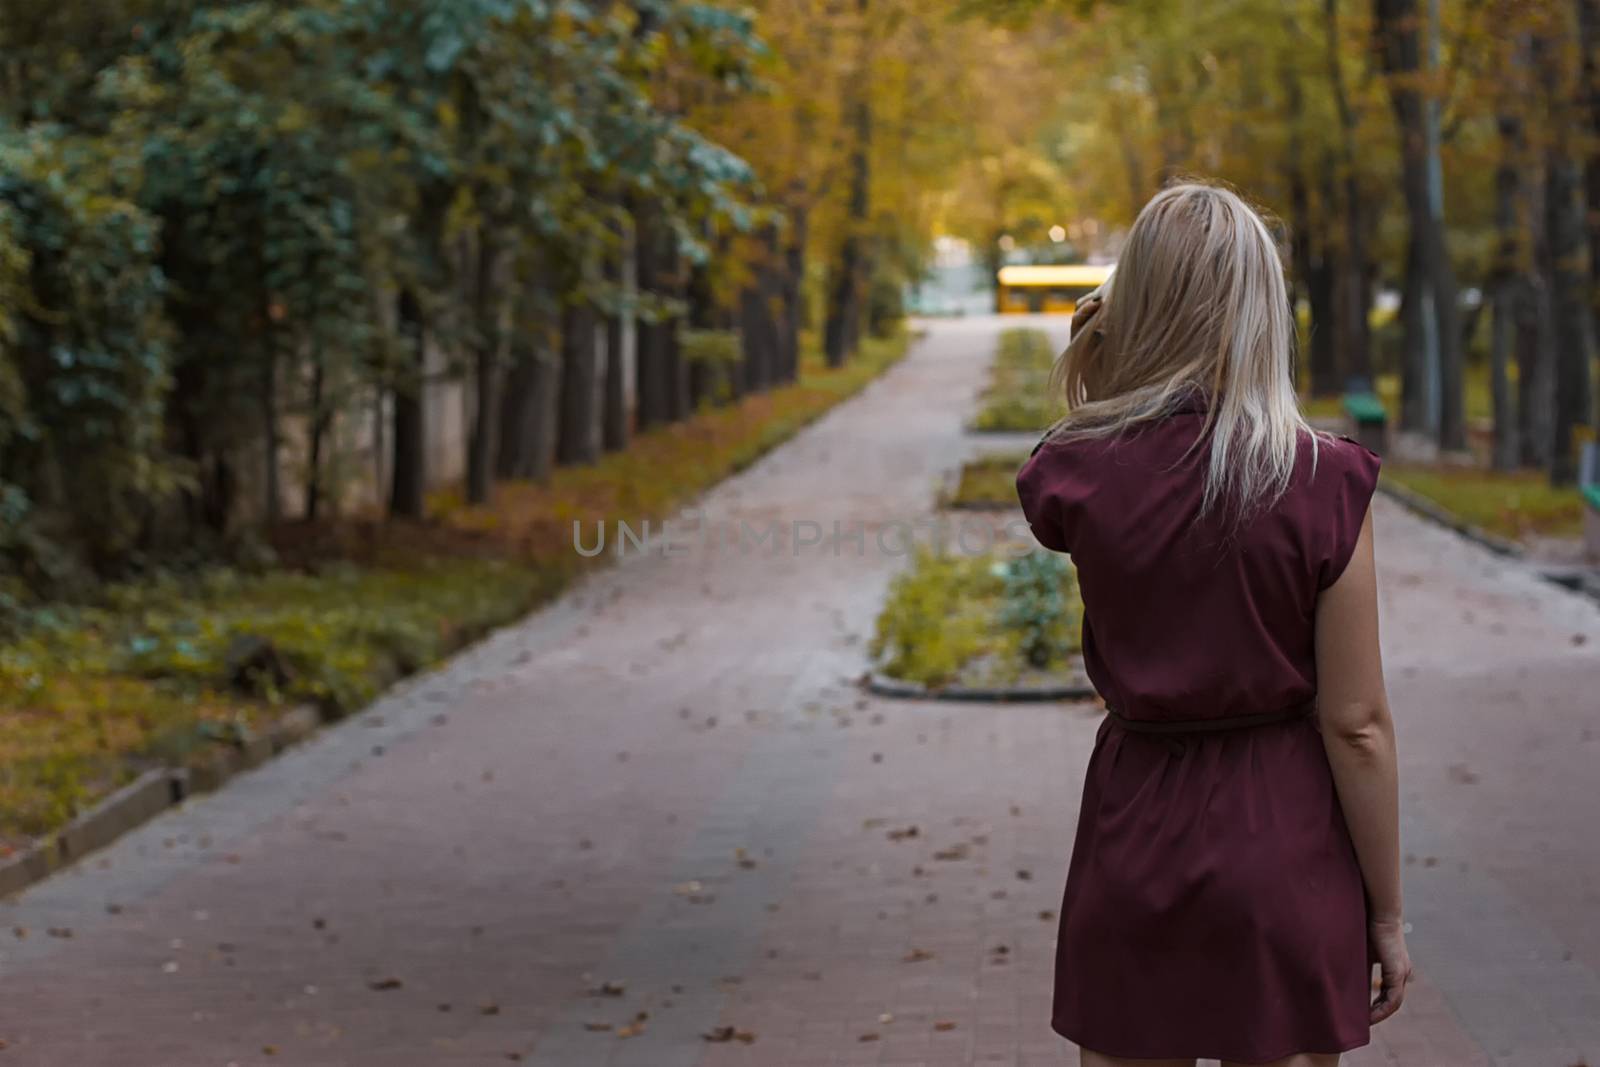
x=1369 y=420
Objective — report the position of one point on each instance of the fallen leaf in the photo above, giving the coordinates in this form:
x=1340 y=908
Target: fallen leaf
x=720 y=1035
x=867 y=1037
x=944 y=1026
x=916 y=955
x=381 y=985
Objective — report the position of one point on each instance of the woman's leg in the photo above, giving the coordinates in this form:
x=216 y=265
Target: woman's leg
x=1089 y=1058
x=1304 y=1059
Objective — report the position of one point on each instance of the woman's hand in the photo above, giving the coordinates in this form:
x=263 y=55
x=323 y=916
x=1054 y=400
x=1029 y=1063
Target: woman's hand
x=1085 y=310
x=1394 y=963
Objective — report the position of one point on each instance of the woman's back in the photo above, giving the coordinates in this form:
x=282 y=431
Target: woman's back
x=1188 y=614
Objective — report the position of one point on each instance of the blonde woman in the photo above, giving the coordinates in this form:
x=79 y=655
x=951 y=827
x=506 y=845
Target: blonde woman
x=1236 y=870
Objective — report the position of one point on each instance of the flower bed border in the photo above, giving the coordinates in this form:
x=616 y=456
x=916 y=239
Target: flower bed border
x=880 y=684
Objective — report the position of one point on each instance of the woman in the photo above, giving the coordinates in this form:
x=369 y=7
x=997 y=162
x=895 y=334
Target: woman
x=1236 y=869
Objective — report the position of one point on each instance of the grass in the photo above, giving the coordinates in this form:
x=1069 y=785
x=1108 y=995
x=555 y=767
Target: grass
x=91 y=695
x=988 y=482
x=1513 y=505
x=1018 y=396
x=981 y=619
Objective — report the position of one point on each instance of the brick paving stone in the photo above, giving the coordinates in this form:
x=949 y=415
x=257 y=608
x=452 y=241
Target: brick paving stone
x=666 y=781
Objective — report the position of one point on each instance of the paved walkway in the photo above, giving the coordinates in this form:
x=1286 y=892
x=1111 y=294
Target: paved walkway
x=661 y=807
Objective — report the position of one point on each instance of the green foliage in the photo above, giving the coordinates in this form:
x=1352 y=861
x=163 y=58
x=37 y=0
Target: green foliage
x=977 y=619
x=204 y=207
x=1040 y=603
x=1018 y=397
x=1511 y=505
x=939 y=616
x=719 y=347
x=83 y=345
x=988 y=482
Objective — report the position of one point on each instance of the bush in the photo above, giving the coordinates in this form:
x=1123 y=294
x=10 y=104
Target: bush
x=978 y=619
x=1018 y=397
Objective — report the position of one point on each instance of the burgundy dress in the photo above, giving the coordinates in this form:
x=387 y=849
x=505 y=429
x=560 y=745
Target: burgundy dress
x=1213 y=906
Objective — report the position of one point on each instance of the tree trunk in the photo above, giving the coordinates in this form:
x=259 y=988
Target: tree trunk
x=272 y=468
x=408 y=484
x=846 y=301
x=528 y=409
x=1354 y=334
x=1535 y=348
x=792 y=288
x=652 y=370
x=1324 y=356
x=321 y=418
x=1567 y=238
x=578 y=426
x=1300 y=251
x=1571 y=313
x=1506 y=446
x=618 y=330
x=1432 y=328
x=757 y=339
x=762 y=311
x=488 y=311
x=1589 y=49
x=676 y=368
x=1507 y=279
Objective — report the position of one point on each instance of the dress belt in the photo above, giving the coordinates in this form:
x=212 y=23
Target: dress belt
x=1196 y=726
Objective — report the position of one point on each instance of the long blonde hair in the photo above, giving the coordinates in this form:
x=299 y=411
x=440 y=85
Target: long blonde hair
x=1197 y=309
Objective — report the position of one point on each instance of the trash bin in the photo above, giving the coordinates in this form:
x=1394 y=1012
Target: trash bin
x=1369 y=421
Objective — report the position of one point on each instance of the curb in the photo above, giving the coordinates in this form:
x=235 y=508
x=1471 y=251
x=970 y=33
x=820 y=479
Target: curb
x=882 y=685
x=147 y=796
x=997 y=431
x=1421 y=505
x=991 y=506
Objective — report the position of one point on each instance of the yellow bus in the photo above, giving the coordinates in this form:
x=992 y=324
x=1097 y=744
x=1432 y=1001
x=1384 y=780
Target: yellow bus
x=1029 y=289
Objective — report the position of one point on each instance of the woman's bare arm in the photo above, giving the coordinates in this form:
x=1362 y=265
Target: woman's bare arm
x=1357 y=730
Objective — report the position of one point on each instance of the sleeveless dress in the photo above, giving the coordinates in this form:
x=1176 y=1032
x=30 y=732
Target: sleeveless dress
x=1213 y=906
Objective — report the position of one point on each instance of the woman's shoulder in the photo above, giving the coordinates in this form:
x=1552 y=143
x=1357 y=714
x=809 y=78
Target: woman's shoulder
x=1332 y=462
x=1057 y=459
x=1333 y=499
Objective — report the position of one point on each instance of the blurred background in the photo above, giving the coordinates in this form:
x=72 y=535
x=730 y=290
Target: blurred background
x=323 y=321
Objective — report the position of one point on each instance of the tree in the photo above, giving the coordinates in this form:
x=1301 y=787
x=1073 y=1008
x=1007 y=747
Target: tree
x=1433 y=398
